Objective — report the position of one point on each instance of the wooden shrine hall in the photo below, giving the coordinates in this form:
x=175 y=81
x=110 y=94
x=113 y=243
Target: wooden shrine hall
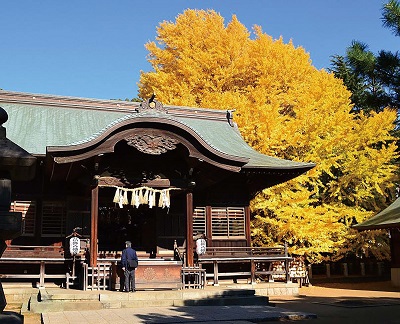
x=388 y=219
x=109 y=171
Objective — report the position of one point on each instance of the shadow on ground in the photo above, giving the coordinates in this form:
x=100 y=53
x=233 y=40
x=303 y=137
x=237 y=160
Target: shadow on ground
x=8 y=317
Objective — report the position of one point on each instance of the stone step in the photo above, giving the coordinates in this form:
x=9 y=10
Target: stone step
x=54 y=295
x=18 y=295
x=32 y=318
x=60 y=306
x=67 y=305
x=53 y=298
x=62 y=300
x=13 y=307
x=227 y=301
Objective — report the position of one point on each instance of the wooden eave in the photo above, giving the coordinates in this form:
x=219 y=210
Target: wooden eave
x=386 y=219
x=105 y=143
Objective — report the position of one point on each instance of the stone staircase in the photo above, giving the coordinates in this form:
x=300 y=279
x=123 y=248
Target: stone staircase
x=50 y=300
x=55 y=299
x=17 y=296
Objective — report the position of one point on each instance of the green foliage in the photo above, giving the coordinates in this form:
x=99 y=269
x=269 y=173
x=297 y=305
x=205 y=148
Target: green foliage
x=391 y=16
x=134 y=99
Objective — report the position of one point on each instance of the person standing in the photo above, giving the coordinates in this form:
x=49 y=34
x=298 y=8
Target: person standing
x=129 y=262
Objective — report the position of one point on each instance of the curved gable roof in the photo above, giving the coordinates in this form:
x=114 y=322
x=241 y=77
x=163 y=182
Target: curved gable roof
x=55 y=121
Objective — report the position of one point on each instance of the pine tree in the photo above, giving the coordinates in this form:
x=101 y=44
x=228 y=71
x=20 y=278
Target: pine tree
x=373 y=79
x=391 y=16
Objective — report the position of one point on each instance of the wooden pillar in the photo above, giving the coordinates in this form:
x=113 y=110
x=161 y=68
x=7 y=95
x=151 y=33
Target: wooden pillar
x=286 y=262
x=39 y=220
x=253 y=271
x=94 y=219
x=394 y=250
x=42 y=272
x=216 y=283
x=189 y=229
x=247 y=224
x=209 y=226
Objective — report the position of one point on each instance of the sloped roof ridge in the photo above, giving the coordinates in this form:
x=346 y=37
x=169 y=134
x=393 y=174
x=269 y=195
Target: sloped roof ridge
x=65 y=101
x=115 y=105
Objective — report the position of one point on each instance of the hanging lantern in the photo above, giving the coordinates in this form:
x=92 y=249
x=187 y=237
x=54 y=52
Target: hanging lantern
x=74 y=245
x=201 y=246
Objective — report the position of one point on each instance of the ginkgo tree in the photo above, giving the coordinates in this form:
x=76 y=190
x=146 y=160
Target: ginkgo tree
x=284 y=107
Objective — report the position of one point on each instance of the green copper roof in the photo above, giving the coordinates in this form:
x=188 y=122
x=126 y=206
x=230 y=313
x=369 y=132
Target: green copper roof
x=34 y=127
x=37 y=121
x=387 y=218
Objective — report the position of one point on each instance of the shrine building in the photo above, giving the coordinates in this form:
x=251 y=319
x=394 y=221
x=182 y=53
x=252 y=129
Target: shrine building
x=159 y=176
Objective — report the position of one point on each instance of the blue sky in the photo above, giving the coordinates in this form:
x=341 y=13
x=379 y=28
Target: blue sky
x=95 y=48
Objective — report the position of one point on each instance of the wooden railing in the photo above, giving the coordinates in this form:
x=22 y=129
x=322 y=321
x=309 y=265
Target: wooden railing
x=39 y=274
x=246 y=252
x=260 y=262
x=96 y=278
x=193 y=277
x=35 y=258
x=251 y=255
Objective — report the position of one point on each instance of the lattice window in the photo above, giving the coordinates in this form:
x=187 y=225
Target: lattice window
x=28 y=210
x=53 y=219
x=219 y=222
x=228 y=222
x=237 y=223
x=199 y=220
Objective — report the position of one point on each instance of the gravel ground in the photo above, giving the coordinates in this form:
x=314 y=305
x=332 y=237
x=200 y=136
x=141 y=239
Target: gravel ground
x=351 y=302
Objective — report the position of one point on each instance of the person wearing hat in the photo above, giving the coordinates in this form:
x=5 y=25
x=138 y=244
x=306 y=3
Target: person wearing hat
x=129 y=262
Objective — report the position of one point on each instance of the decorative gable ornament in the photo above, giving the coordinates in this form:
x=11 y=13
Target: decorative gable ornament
x=151 y=105
x=152 y=143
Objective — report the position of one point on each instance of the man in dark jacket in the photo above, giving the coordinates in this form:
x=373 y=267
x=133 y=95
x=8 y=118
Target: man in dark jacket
x=129 y=255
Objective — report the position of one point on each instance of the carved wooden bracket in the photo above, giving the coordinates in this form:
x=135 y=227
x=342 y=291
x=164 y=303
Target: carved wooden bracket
x=152 y=143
